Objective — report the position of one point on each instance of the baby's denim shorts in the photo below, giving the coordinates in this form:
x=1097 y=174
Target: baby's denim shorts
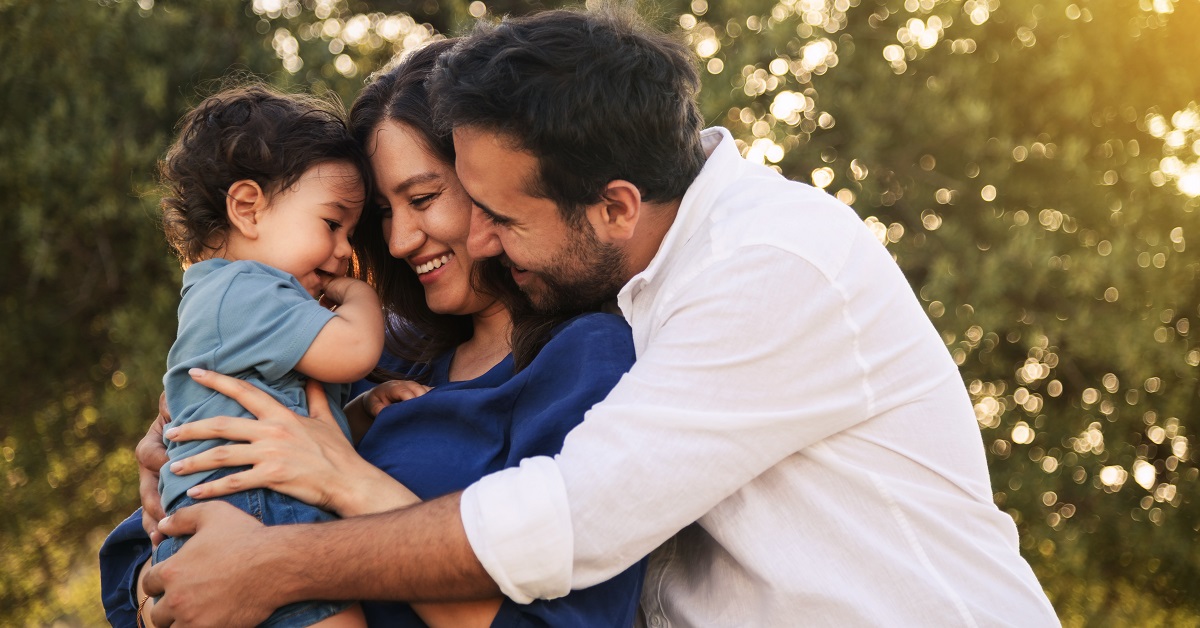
x=270 y=508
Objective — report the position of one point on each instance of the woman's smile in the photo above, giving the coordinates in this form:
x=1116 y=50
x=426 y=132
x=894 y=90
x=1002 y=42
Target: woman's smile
x=432 y=264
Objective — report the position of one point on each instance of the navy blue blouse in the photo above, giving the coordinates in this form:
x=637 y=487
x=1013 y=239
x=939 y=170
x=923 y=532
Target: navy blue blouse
x=450 y=437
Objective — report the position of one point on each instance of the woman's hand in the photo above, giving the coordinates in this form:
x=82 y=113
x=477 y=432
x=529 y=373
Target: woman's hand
x=361 y=412
x=151 y=455
x=145 y=600
x=307 y=458
x=387 y=393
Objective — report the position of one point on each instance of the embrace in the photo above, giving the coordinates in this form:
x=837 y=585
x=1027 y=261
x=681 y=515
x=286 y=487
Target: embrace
x=627 y=376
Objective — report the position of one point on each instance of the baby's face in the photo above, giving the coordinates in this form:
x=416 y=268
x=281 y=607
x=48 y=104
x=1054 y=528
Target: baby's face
x=306 y=228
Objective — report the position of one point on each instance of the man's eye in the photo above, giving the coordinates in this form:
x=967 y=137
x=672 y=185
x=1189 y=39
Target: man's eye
x=494 y=219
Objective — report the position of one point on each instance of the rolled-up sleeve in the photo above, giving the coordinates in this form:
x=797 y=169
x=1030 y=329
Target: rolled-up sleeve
x=519 y=525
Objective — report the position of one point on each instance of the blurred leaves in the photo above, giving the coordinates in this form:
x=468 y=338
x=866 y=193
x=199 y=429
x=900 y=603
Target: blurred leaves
x=1028 y=162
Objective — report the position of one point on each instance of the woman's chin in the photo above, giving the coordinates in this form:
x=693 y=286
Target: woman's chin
x=465 y=306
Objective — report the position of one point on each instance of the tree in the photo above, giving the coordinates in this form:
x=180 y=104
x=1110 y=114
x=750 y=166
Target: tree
x=90 y=93
x=1032 y=164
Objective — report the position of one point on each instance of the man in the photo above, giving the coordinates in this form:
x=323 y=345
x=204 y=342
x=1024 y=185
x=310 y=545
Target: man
x=794 y=438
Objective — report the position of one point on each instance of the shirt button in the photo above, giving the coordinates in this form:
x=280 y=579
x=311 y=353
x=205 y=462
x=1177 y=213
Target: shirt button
x=656 y=621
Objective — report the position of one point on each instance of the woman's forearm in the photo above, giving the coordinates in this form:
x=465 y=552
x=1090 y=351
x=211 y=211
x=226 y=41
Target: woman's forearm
x=368 y=491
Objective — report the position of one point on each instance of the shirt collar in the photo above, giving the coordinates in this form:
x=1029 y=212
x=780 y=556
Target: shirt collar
x=724 y=161
x=195 y=272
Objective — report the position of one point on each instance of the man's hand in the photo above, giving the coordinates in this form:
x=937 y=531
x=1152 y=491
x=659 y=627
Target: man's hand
x=213 y=572
x=151 y=455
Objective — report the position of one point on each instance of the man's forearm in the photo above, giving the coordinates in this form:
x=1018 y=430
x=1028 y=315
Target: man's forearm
x=419 y=553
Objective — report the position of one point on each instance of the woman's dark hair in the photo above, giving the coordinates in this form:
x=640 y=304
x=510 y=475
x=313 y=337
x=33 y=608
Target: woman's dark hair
x=254 y=132
x=415 y=333
x=594 y=96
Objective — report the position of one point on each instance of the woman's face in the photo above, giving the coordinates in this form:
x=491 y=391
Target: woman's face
x=426 y=217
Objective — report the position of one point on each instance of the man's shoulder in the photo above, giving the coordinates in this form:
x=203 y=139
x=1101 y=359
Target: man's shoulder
x=793 y=218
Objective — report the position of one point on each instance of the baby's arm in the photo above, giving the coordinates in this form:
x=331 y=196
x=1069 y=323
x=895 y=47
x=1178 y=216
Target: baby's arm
x=349 y=345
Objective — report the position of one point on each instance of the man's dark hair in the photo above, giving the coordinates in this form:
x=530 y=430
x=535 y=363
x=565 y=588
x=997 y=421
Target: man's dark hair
x=250 y=131
x=593 y=96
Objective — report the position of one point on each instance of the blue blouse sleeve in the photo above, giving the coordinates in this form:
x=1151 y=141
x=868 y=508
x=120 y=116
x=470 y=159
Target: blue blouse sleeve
x=125 y=550
x=574 y=371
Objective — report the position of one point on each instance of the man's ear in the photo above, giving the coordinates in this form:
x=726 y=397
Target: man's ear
x=616 y=215
x=243 y=202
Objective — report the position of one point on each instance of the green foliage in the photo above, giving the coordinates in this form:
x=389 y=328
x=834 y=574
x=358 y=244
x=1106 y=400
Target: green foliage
x=1025 y=160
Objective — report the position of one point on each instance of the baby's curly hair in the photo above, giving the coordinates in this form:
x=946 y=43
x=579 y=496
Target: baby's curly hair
x=254 y=132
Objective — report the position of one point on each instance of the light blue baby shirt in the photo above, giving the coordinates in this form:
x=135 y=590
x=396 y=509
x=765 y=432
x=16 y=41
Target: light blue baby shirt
x=247 y=320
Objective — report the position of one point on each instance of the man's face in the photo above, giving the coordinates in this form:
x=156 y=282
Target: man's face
x=559 y=266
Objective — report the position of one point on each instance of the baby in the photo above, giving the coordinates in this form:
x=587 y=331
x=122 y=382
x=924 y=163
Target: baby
x=263 y=192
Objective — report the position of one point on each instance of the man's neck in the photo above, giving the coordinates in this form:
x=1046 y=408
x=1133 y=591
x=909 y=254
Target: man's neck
x=652 y=229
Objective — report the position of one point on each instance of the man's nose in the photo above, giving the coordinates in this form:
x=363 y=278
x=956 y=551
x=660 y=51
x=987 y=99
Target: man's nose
x=482 y=240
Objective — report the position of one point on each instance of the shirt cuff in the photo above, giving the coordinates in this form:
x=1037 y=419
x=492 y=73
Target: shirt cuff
x=519 y=525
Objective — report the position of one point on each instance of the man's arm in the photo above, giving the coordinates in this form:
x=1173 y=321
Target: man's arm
x=419 y=553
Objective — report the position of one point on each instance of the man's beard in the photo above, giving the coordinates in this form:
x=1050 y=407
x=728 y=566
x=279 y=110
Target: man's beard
x=585 y=276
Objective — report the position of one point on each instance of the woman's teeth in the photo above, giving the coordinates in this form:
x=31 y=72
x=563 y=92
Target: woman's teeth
x=432 y=264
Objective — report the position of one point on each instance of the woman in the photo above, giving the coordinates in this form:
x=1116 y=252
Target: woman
x=503 y=384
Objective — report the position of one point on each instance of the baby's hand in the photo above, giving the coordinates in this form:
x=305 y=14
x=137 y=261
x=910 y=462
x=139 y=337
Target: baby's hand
x=342 y=289
x=391 y=392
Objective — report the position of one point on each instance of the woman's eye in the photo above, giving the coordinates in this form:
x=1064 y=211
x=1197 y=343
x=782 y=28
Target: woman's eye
x=333 y=224
x=421 y=200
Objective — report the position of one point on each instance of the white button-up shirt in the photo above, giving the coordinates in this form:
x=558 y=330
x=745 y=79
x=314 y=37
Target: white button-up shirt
x=794 y=435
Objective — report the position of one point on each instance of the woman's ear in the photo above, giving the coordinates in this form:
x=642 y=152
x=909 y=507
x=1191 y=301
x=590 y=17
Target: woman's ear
x=616 y=215
x=243 y=202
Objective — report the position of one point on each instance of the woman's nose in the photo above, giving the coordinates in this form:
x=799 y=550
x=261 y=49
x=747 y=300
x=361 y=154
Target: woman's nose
x=403 y=234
